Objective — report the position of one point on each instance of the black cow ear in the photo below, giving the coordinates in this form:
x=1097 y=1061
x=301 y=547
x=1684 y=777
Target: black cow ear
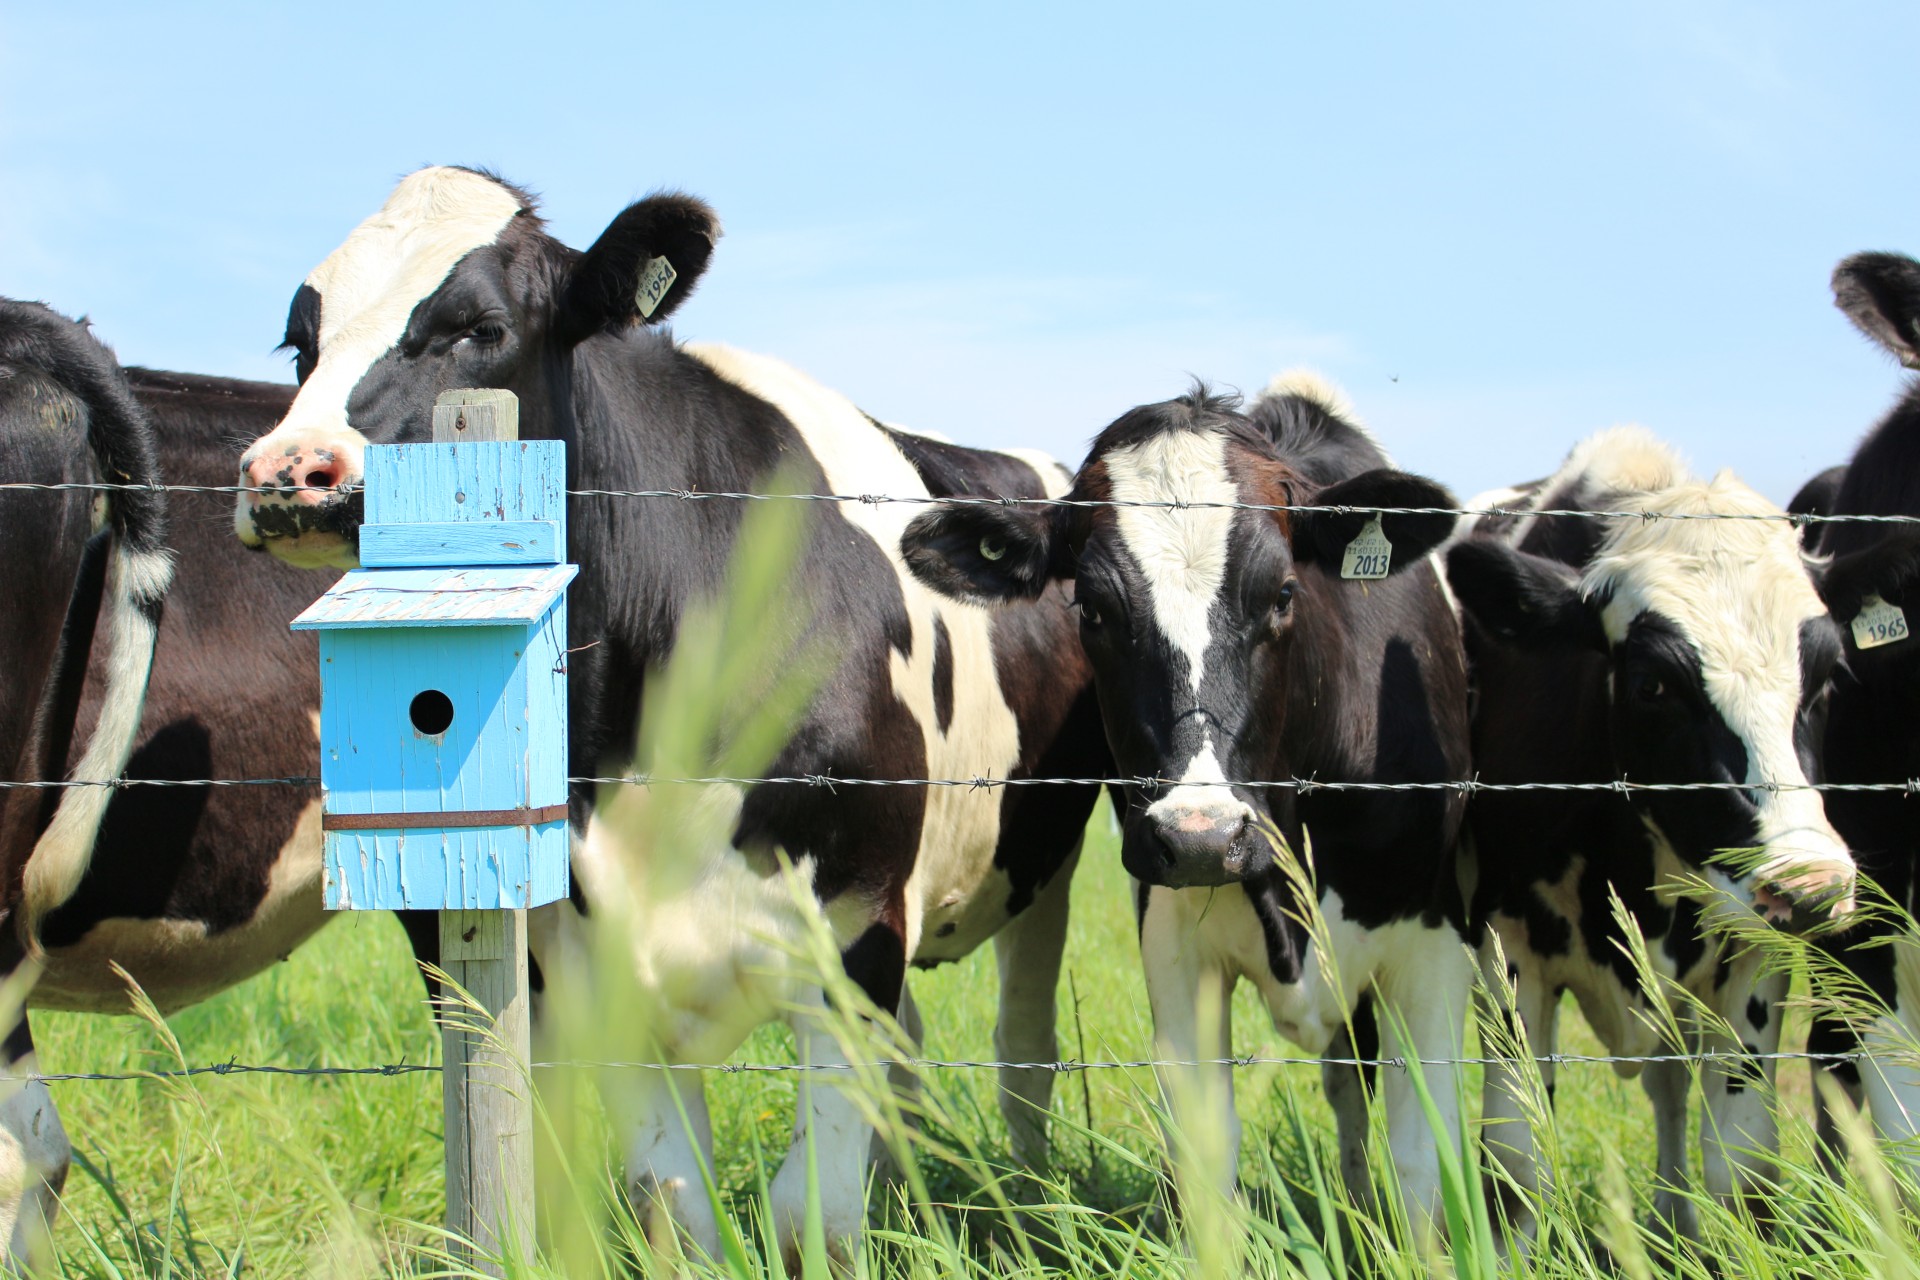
x=1530 y=600
x=1890 y=564
x=643 y=266
x=1323 y=536
x=1880 y=293
x=983 y=551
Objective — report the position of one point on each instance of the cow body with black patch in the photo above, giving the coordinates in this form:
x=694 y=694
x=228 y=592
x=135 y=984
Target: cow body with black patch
x=1662 y=651
x=189 y=889
x=1228 y=651
x=1871 y=727
x=455 y=283
x=71 y=560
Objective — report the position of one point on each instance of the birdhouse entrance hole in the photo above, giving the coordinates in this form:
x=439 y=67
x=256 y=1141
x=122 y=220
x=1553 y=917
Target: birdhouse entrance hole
x=431 y=712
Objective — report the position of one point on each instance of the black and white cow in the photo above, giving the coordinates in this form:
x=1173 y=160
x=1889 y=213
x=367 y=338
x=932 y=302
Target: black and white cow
x=1871 y=573
x=1661 y=651
x=69 y=555
x=1227 y=649
x=455 y=283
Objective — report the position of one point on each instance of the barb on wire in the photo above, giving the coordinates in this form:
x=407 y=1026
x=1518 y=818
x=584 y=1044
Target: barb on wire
x=1797 y=519
x=1063 y=1067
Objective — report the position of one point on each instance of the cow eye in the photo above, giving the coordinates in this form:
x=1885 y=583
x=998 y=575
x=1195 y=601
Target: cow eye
x=487 y=333
x=1283 y=602
x=1089 y=615
x=1649 y=688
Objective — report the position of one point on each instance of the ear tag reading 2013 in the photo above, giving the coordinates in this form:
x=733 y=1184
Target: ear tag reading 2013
x=655 y=279
x=1368 y=555
x=1879 y=623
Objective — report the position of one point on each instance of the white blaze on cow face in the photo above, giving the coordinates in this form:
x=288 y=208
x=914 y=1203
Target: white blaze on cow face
x=1740 y=592
x=1181 y=552
x=368 y=289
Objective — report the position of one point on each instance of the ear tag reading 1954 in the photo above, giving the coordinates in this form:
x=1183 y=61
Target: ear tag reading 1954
x=1369 y=554
x=1879 y=623
x=655 y=279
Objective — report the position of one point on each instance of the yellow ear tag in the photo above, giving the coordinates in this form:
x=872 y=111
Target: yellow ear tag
x=1369 y=555
x=655 y=279
x=1879 y=623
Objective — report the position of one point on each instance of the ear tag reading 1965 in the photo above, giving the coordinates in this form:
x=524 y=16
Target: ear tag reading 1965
x=1369 y=554
x=1879 y=623
x=655 y=279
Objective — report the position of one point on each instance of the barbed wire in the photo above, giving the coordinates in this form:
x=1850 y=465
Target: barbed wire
x=1798 y=519
x=832 y=782
x=1067 y=1066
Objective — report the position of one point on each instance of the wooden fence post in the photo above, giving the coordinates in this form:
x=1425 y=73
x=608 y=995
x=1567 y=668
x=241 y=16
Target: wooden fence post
x=443 y=733
x=487 y=1082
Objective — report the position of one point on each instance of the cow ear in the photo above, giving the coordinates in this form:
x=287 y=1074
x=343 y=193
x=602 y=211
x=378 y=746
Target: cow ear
x=1323 y=536
x=1890 y=564
x=1816 y=498
x=983 y=551
x=1880 y=293
x=643 y=266
x=1530 y=600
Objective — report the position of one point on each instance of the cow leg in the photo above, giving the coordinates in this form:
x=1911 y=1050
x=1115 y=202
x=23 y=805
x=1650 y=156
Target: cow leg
x=1348 y=1088
x=1424 y=999
x=668 y=1154
x=423 y=934
x=1832 y=1036
x=34 y=1152
x=831 y=1142
x=1739 y=1133
x=1667 y=1085
x=1029 y=948
x=1190 y=999
x=1509 y=1107
x=905 y=1083
x=1892 y=1086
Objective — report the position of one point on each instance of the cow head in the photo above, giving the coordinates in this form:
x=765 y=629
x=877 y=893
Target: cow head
x=1880 y=293
x=1719 y=653
x=453 y=283
x=1189 y=614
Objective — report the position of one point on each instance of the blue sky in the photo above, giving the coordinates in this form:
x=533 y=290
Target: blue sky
x=1499 y=229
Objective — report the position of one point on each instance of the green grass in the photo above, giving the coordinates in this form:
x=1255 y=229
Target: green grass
x=273 y=1167
x=278 y=1176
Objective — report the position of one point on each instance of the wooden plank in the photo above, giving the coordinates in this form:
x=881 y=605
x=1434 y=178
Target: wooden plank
x=482 y=481
x=487 y=595
x=438 y=542
x=487 y=1082
x=476 y=413
x=486 y=1086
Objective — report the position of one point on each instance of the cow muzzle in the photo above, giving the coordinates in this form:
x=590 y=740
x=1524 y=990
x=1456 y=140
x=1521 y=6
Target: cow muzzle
x=1195 y=848
x=1804 y=881
x=305 y=505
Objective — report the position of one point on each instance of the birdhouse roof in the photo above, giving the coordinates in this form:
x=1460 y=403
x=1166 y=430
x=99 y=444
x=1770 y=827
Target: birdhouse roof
x=490 y=596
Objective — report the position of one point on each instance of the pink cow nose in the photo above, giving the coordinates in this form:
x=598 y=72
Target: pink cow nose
x=308 y=474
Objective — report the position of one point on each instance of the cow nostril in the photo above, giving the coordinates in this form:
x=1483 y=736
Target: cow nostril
x=323 y=478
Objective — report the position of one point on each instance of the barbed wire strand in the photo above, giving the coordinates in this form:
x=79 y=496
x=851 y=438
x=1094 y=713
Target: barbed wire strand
x=876 y=499
x=1062 y=1067
x=830 y=782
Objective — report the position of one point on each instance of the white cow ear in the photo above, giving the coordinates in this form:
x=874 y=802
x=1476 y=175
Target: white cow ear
x=643 y=266
x=1880 y=293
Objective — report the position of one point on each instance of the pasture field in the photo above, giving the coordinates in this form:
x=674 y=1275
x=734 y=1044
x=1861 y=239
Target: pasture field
x=286 y=1176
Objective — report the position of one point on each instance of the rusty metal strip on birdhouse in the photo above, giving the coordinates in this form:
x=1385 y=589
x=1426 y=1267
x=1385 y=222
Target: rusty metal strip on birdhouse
x=454 y=818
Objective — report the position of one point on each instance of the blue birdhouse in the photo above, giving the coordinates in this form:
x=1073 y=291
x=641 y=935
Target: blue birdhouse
x=443 y=707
